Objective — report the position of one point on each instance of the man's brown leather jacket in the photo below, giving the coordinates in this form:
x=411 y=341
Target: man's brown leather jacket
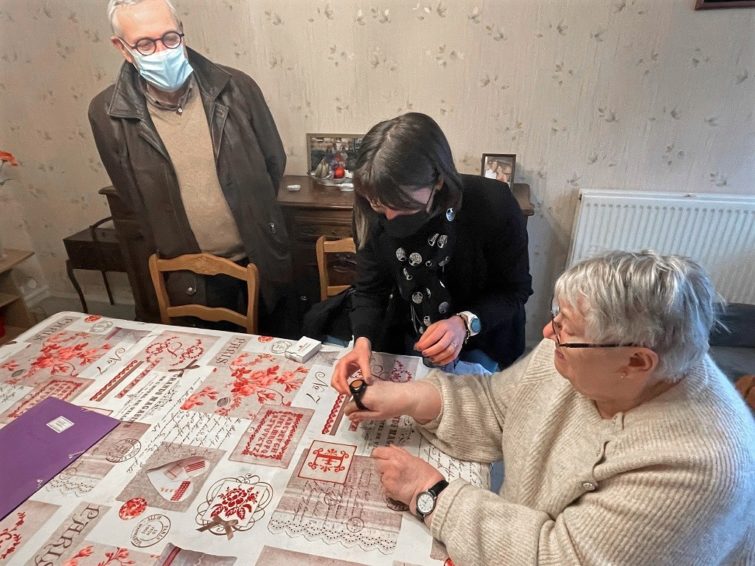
x=250 y=161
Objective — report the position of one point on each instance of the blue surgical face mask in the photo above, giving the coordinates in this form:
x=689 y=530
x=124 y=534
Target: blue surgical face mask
x=166 y=70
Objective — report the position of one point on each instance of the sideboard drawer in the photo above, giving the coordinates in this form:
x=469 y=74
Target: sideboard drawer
x=308 y=233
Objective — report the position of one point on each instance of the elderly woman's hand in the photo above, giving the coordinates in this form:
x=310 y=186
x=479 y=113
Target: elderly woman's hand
x=443 y=340
x=384 y=400
x=404 y=476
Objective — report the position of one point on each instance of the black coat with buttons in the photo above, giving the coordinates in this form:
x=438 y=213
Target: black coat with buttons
x=250 y=160
x=488 y=275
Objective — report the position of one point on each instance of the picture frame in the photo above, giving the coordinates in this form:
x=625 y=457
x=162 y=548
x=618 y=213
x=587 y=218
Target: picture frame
x=331 y=158
x=499 y=166
x=716 y=4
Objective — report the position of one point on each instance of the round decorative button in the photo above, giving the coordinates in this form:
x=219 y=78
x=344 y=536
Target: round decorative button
x=443 y=307
x=415 y=259
x=417 y=297
x=401 y=254
x=450 y=214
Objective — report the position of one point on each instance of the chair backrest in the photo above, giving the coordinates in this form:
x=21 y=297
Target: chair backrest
x=206 y=264
x=323 y=247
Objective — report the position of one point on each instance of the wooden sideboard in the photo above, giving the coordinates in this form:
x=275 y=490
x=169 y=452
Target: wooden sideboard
x=310 y=212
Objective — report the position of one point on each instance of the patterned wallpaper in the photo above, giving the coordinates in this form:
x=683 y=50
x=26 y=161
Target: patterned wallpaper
x=641 y=94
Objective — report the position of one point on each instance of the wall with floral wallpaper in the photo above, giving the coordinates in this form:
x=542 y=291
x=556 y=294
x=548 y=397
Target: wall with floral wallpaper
x=640 y=94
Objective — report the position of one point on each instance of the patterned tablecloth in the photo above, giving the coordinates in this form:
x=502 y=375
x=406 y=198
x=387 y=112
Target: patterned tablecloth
x=227 y=453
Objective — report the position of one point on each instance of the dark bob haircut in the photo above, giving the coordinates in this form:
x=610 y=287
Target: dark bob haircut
x=404 y=154
x=396 y=158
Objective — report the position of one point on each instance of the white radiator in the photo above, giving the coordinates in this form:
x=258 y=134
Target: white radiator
x=717 y=231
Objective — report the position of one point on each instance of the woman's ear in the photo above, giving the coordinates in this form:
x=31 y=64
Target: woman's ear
x=643 y=360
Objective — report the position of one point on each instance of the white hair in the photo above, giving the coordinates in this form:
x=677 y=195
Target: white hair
x=665 y=303
x=114 y=5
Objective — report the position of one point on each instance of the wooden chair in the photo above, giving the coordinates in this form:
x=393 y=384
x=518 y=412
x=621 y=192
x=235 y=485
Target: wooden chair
x=206 y=264
x=323 y=247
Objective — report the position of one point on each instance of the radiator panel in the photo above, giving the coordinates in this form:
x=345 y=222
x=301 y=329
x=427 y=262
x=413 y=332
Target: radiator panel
x=718 y=231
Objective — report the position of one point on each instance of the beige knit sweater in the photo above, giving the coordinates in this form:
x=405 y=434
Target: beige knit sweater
x=669 y=482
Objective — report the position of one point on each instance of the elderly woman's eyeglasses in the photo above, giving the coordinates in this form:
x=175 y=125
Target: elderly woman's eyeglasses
x=559 y=344
x=147 y=46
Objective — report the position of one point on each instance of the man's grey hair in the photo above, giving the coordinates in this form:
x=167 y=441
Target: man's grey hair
x=665 y=303
x=114 y=5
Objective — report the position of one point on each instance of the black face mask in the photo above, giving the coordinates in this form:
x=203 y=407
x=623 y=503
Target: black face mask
x=406 y=225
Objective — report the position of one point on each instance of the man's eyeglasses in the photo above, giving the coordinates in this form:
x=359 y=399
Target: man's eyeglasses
x=147 y=46
x=559 y=344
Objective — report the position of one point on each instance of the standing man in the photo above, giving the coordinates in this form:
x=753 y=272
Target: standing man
x=192 y=149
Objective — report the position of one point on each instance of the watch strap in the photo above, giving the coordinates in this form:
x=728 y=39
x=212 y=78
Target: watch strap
x=465 y=317
x=357 y=389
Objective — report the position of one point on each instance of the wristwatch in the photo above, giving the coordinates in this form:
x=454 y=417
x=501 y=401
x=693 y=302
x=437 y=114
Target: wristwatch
x=358 y=387
x=426 y=499
x=471 y=322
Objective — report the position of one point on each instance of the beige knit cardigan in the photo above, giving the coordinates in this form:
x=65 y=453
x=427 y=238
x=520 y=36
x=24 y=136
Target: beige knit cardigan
x=669 y=482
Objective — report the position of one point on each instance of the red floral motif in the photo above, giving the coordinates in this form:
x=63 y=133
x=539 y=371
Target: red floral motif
x=236 y=502
x=264 y=338
x=268 y=384
x=83 y=553
x=248 y=381
x=119 y=555
x=195 y=399
x=92 y=318
x=59 y=353
x=448 y=562
x=8 y=535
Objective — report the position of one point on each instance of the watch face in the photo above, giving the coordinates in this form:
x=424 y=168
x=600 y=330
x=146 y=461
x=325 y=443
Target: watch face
x=474 y=325
x=357 y=386
x=425 y=503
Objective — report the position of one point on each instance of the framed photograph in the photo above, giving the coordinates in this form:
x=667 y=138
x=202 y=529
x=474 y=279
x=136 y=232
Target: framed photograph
x=499 y=166
x=331 y=158
x=713 y=4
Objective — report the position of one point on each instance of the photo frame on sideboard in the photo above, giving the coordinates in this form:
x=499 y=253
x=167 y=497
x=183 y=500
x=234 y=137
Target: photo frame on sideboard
x=500 y=166
x=331 y=158
x=716 y=4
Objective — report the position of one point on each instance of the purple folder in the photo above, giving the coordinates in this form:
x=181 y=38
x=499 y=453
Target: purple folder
x=40 y=443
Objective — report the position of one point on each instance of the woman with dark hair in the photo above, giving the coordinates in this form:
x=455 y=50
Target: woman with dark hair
x=442 y=264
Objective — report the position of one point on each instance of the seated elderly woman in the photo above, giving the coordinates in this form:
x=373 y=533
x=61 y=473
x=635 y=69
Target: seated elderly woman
x=622 y=442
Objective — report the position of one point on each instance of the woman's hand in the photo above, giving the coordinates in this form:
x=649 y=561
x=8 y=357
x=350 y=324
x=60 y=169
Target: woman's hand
x=443 y=340
x=404 y=476
x=384 y=400
x=357 y=359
